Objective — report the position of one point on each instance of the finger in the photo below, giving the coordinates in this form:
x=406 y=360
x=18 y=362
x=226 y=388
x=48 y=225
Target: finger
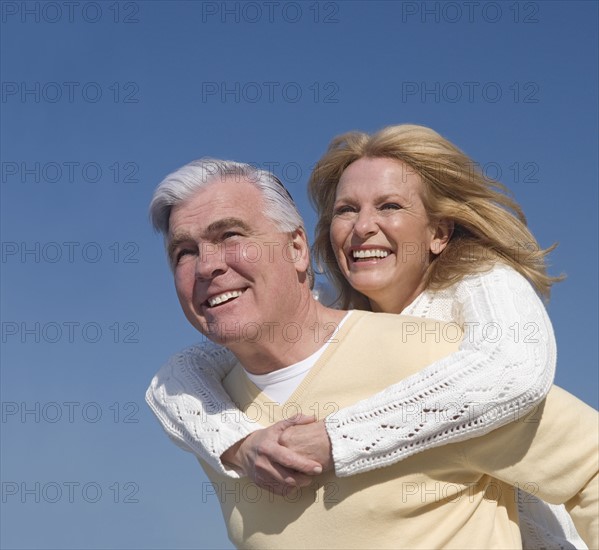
x=291 y=478
x=280 y=480
x=296 y=479
x=275 y=478
x=299 y=419
x=293 y=461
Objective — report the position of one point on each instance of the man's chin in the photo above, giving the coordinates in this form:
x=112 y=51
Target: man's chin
x=223 y=333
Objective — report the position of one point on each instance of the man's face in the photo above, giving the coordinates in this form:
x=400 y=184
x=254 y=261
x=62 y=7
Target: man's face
x=235 y=271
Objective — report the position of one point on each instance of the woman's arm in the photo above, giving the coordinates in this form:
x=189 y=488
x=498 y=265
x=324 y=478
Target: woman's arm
x=188 y=398
x=504 y=367
x=194 y=409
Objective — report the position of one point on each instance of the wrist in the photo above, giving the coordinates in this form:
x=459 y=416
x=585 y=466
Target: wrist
x=232 y=457
x=329 y=446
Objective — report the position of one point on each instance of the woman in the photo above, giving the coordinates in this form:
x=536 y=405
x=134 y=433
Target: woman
x=406 y=226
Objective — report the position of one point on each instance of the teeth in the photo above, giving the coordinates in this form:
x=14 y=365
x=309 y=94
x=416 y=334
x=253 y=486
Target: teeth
x=215 y=300
x=371 y=253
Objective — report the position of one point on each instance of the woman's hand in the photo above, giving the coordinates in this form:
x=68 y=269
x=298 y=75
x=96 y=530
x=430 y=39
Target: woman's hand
x=269 y=463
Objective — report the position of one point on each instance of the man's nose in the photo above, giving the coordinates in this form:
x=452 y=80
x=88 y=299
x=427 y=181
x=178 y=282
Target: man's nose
x=210 y=262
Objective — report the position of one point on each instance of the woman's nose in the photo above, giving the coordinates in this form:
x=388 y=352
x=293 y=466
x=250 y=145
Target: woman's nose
x=366 y=224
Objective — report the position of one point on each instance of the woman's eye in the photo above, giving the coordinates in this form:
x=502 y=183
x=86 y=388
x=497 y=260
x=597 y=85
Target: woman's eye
x=343 y=209
x=390 y=206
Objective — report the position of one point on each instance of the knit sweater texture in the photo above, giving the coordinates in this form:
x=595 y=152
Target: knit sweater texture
x=504 y=366
x=461 y=495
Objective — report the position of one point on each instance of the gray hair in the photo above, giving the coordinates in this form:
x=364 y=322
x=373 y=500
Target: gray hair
x=181 y=184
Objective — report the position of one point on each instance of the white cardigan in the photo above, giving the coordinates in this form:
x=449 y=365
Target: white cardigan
x=504 y=367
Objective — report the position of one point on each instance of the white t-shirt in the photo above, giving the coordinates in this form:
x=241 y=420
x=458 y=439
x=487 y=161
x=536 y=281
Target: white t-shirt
x=280 y=384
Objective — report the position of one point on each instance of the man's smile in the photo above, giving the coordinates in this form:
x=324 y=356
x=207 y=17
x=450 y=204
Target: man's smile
x=223 y=297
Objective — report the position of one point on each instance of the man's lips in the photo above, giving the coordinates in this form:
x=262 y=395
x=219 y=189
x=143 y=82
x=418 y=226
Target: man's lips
x=223 y=297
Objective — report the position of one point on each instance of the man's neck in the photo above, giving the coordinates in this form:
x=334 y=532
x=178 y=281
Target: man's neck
x=288 y=341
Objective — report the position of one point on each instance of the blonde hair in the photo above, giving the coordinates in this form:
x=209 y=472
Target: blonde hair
x=489 y=226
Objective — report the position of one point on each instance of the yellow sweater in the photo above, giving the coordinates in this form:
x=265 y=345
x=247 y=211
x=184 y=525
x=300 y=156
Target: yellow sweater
x=459 y=495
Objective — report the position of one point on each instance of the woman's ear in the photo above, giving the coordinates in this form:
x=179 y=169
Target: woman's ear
x=442 y=235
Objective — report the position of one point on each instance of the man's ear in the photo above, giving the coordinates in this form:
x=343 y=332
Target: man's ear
x=441 y=236
x=299 y=251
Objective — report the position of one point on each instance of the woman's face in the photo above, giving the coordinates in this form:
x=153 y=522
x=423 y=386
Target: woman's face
x=381 y=234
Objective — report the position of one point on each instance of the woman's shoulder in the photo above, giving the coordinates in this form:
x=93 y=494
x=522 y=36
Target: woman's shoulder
x=498 y=282
x=495 y=273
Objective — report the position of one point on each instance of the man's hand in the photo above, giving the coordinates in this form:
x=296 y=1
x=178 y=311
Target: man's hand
x=309 y=440
x=268 y=463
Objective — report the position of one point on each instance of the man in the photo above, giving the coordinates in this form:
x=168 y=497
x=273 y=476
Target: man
x=242 y=273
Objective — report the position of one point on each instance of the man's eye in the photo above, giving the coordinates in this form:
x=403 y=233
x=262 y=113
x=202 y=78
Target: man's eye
x=182 y=253
x=230 y=234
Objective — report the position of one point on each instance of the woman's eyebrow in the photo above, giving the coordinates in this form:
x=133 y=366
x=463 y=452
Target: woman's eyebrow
x=395 y=195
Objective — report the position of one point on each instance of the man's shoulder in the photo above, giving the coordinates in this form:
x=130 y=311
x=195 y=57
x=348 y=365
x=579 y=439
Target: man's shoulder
x=407 y=327
x=410 y=342
x=561 y=401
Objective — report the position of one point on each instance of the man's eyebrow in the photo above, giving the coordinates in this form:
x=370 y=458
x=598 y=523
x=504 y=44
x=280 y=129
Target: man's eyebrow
x=212 y=230
x=176 y=241
x=227 y=223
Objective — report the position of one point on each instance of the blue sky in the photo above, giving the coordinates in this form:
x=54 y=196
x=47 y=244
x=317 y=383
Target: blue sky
x=100 y=100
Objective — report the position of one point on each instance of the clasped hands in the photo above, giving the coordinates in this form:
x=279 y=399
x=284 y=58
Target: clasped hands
x=285 y=455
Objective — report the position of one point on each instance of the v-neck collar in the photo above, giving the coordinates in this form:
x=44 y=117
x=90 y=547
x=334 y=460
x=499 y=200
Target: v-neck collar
x=278 y=411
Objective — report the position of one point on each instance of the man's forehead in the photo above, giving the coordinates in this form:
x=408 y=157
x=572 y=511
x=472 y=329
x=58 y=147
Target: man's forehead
x=220 y=206
x=228 y=186
x=216 y=226
x=220 y=199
